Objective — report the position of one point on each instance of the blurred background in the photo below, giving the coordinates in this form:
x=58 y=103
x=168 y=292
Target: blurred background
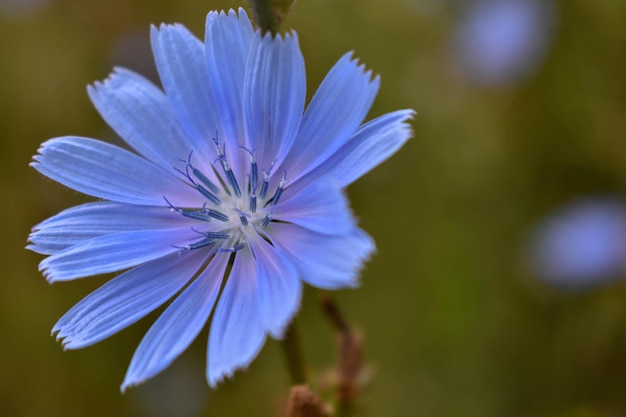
x=498 y=288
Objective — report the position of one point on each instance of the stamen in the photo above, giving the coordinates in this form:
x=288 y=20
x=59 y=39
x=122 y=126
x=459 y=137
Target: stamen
x=254 y=175
x=232 y=179
x=209 y=238
x=212 y=235
x=266 y=180
x=217 y=235
x=254 y=170
x=215 y=214
x=205 y=180
x=197 y=215
x=208 y=194
x=226 y=193
x=200 y=175
x=239 y=246
x=229 y=172
x=200 y=244
x=197 y=245
x=279 y=190
x=253 y=201
x=266 y=220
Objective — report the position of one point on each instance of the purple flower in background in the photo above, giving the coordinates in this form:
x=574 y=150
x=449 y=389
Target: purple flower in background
x=581 y=245
x=20 y=7
x=501 y=42
x=229 y=169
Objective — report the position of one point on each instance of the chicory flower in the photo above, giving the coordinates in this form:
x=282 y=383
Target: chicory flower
x=231 y=198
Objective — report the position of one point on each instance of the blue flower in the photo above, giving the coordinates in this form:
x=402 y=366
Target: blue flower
x=581 y=245
x=232 y=200
x=503 y=42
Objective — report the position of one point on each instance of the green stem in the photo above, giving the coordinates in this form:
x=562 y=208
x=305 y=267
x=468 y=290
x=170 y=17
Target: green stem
x=265 y=16
x=293 y=354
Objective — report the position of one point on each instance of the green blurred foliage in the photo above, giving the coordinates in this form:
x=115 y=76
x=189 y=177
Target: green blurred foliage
x=453 y=325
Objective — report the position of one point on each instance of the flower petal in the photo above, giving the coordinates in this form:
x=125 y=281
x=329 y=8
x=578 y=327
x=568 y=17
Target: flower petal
x=372 y=144
x=87 y=221
x=178 y=326
x=280 y=289
x=125 y=299
x=114 y=252
x=237 y=332
x=227 y=42
x=321 y=207
x=337 y=109
x=141 y=114
x=328 y=262
x=102 y=170
x=181 y=63
x=274 y=91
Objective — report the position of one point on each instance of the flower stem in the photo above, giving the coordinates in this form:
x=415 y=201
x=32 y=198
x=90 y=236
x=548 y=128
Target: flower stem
x=293 y=354
x=265 y=16
x=350 y=358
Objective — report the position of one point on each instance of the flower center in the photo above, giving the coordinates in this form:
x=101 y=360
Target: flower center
x=229 y=214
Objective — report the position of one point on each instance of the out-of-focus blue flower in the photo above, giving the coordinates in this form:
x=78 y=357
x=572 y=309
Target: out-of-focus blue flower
x=229 y=170
x=502 y=42
x=18 y=7
x=581 y=245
